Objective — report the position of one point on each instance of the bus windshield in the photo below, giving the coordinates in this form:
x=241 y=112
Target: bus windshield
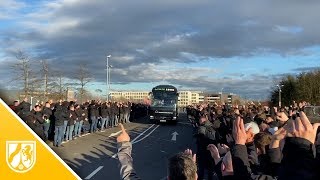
x=163 y=102
x=161 y=98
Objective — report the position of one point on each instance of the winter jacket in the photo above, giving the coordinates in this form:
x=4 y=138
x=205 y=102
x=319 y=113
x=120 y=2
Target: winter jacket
x=126 y=162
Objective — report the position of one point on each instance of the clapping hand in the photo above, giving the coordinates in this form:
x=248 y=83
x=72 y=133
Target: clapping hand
x=302 y=128
x=223 y=149
x=214 y=153
x=239 y=132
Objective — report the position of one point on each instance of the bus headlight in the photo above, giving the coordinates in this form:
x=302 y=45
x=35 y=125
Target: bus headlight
x=174 y=118
x=151 y=117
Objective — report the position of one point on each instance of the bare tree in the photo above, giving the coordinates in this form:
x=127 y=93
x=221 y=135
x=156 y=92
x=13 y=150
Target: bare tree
x=23 y=70
x=58 y=85
x=45 y=71
x=84 y=77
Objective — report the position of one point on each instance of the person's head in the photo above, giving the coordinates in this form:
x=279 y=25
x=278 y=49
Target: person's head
x=71 y=108
x=262 y=141
x=37 y=108
x=203 y=119
x=182 y=167
x=77 y=106
x=269 y=119
x=264 y=127
x=47 y=105
x=252 y=129
x=15 y=103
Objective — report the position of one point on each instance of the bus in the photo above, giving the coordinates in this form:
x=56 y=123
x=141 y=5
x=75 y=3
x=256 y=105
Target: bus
x=164 y=104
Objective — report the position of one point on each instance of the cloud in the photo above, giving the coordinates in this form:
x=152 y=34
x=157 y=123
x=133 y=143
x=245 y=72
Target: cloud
x=305 y=69
x=9 y=8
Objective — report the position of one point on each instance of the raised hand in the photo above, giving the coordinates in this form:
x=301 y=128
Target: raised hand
x=123 y=137
x=223 y=149
x=227 y=166
x=302 y=128
x=239 y=132
x=214 y=153
x=194 y=156
x=277 y=137
x=281 y=116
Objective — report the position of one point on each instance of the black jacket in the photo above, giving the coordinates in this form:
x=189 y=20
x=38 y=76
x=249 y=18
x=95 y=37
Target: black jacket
x=73 y=118
x=23 y=109
x=60 y=115
x=298 y=160
x=93 y=110
x=47 y=111
x=38 y=117
x=104 y=112
x=205 y=136
x=241 y=165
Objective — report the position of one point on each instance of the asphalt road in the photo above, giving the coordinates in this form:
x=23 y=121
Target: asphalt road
x=94 y=156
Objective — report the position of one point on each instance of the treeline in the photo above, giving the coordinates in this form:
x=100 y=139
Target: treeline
x=41 y=80
x=303 y=87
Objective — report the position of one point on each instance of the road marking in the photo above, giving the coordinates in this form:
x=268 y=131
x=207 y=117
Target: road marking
x=115 y=134
x=146 y=135
x=141 y=134
x=115 y=155
x=94 y=172
x=174 y=136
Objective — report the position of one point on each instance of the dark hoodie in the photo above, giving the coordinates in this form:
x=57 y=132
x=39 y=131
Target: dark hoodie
x=59 y=115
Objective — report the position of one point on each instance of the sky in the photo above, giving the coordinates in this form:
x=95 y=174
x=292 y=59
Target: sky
x=244 y=46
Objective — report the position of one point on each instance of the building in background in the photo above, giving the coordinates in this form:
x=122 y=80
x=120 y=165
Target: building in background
x=133 y=96
x=228 y=98
x=190 y=97
x=185 y=97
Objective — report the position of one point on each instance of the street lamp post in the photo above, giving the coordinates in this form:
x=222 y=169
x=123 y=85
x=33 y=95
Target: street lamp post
x=221 y=94
x=108 y=77
x=280 y=90
x=110 y=66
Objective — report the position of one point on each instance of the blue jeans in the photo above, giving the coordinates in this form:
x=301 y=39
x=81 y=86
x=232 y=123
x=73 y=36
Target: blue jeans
x=86 y=127
x=78 y=131
x=69 y=132
x=93 y=125
x=46 y=127
x=58 y=133
x=111 y=119
x=65 y=124
x=127 y=117
x=116 y=119
x=107 y=121
x=121 y=118
x=76 y=128
x=104 y=122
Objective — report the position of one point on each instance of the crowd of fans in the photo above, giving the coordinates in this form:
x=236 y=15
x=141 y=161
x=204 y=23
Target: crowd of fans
x=233 y=142
x=64 y=121
x=242 y=142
